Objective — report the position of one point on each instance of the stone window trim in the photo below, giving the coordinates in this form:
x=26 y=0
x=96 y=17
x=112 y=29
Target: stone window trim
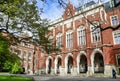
x=29 y=55
x=114 y=38
x=111 y=20
x=20 y=52
x=83 y=32
x=96 y=34
x=59 y=39
x=12 y=49
x=69 y=40
x=24 y=54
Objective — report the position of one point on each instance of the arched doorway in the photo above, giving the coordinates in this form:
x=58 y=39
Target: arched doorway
x=49 y=65
x=98 y=63
x=69 y=64
x=83 y=64
x=58 y=65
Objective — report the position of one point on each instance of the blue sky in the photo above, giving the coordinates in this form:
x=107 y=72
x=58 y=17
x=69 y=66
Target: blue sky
x=52 y=10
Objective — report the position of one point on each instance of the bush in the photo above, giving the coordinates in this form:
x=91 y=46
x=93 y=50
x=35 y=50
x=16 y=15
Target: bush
x=16 y=68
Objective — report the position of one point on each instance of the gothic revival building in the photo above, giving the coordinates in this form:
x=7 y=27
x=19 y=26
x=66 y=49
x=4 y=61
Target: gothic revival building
x=89 y=39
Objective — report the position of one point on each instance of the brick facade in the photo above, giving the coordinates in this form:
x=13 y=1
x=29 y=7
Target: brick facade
x=92 y=57
x=96 y=54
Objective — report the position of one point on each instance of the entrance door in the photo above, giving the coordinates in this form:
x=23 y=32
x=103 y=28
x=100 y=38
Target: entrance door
x=70 y=64
x=83 y=64
x=118 y=64
x=49 y=66
x=98 y=63
x=58 y=65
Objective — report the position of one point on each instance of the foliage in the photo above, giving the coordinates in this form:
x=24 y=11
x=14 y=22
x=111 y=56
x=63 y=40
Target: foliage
x=4 y=51
x=8 y=66
x=13 y=64
x=20 y=16
x=16 y=68
x=7 y=60
x=25 y=17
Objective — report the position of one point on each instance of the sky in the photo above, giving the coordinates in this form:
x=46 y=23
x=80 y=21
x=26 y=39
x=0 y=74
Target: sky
x=52 y=10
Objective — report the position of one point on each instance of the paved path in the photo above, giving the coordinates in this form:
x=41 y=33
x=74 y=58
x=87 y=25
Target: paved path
x=58 y=78
x=64 y=78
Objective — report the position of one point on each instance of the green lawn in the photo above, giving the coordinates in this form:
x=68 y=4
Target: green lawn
x=14 y=78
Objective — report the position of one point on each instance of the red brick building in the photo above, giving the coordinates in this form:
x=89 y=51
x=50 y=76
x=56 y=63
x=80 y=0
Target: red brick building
x=90 y=39
x=28 y=54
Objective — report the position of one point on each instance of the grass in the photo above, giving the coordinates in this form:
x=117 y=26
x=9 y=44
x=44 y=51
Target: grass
x=14 y=78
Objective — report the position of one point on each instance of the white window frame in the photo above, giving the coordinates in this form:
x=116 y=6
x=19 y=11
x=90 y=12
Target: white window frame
x=24 y=56
x=99 y=34
x=111 y=20
x=59 y=42
x=20 y=54
x=117 y=31
x=70 y=45
x=12 y=49
x=82 y=29
x=30 y=57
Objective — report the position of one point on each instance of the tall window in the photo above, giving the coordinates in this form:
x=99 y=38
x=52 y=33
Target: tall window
x=12 y=49
x=81 y=36
x=59 y=41
x=95 y=32
x=24 y=56
x=116 y=37
x=69 y=40
x=19 y=52
x=114 y=20
x=29 y=55
x=28 y=65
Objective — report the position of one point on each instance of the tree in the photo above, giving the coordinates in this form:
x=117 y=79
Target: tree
x=25 y=17
x=4 y=51
x=7 y=59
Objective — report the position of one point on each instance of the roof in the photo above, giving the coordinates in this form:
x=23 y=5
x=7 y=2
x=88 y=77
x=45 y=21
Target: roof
x=108 y=5
x=86 y=5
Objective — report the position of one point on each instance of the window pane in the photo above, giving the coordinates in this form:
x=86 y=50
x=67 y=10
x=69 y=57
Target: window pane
x=95 y=34
x=117 y=37
x=114 y=20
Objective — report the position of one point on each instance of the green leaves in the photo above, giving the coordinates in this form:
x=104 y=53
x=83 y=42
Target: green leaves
x=3 y=45
x=16 y=68
x=7 y=60
x=19 y=16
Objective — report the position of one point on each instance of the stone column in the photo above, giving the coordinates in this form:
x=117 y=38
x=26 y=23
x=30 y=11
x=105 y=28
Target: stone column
x=62 y=71
x=74 y=71
x=108 y=70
